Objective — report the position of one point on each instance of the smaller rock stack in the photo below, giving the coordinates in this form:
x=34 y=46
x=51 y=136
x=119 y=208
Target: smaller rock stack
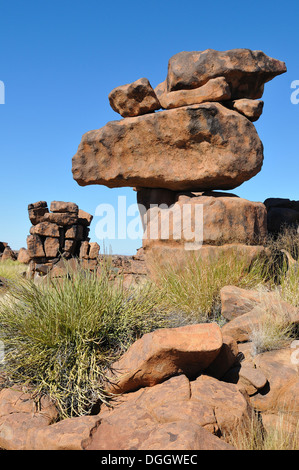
x=61 y=233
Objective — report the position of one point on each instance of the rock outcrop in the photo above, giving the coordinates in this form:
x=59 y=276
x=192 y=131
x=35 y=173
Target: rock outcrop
x=57 y=235
x=198 y=147
x=203 y=140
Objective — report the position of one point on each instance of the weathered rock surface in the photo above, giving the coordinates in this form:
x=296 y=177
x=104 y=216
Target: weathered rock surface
x=35 y=247
x=18 y=415
x=216 y=89
x=61 y=218
x=164 y=353
x=68 y=434
x=23 y=256
x=252 y=109
x=176 y=414
x=46 y=229
x=8 y=254
x=283 y=376
x=209 y=218
x=36 y=211
x=196 y=147
x=134 y=99
x=246 y=71
x=56 y=235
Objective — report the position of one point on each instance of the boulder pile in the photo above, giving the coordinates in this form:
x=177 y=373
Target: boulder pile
x=60 y=237
x=61 y=233
x=187 y=388
x=203 y=140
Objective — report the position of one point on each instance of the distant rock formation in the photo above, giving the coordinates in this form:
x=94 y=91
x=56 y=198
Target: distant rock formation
x=61 y=233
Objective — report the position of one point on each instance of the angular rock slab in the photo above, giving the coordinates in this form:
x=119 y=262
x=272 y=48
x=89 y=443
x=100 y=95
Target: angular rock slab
x=197 y=147
x=246 y=71
x=164 y=353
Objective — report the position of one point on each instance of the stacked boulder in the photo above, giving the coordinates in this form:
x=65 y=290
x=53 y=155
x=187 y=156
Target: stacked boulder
x=61 y=233
x=203 y=140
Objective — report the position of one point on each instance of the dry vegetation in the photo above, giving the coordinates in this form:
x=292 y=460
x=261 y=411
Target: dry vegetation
x=61 y=336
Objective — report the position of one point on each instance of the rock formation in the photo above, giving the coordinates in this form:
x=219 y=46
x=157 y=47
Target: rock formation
x=202 y=141
x=61 y=233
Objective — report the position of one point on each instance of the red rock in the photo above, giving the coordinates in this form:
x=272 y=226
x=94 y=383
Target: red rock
x=164 y=353
x=134 y=99
x=8 y=254
x=84 y=218
x=226 y=358
x=36 y=211
x=199 y=147
x=246 y=71
x=63 y=219
x=61 y=206
x=84 y=250
x=141 y=420
x=226 y=219
x=45 y=229
x=94 y=249
x=68 y=434
x=23 y=256
x=216 y=89
x=51 y=246
x=230 y=406
x=35 y=247
x=75 y=232
x=252 y=109
x=282 y=375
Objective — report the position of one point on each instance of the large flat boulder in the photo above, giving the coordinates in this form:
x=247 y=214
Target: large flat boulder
x=246 y=71
x=199 y=147
x=164 y=353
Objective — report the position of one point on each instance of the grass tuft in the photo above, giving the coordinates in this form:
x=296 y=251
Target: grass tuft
x=61 y=337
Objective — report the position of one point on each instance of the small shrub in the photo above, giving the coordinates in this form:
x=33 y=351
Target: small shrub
x=60 y=338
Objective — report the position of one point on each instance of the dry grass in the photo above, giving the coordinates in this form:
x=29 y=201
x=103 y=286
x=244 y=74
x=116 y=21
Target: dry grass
x=274 y=330
x=192 y=292
x=12 y=270
x=61 y=337
x=281 y=435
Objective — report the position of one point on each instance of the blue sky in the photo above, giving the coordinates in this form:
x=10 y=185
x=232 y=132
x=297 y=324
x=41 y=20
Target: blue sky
x=60 y=59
